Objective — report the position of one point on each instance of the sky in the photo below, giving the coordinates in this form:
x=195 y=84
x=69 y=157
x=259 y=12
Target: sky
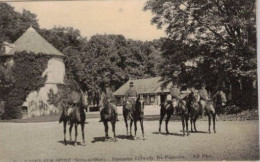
x=124 y=17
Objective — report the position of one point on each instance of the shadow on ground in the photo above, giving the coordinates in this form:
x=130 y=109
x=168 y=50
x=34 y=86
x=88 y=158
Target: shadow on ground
x=165 y=134
x=204 y=132
x=71 y=143
x=125 y=137
x=102 y=139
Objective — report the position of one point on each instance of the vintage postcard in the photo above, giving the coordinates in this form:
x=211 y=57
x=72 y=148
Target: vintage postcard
x=128 y=80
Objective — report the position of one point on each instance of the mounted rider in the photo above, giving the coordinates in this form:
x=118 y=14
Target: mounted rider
x=131 y=96
x=203 y=96
x=175 y=94
x=108 y=99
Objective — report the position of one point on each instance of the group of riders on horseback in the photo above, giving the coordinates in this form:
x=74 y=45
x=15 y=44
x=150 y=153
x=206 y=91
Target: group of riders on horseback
x=108 y=99
x=203 y=94
x=189 y=107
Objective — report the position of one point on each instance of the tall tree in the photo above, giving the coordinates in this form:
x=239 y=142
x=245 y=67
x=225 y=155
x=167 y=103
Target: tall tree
x=219 y=36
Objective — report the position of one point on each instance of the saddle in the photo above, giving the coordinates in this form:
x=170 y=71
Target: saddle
x=130 y=103
x=73 y=113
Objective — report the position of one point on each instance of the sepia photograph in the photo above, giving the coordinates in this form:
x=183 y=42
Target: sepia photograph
x=128 y=80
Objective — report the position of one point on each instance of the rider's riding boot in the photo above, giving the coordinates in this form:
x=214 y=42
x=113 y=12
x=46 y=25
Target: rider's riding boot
x=202 y=113
x=117 y=117
x=175 y=111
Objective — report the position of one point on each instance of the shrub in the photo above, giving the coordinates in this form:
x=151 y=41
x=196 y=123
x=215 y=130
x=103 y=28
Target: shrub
x=232 y=109
x=27 y=75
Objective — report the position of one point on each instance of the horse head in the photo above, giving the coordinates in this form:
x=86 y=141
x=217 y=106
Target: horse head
x=140 y=104
x=221 y=97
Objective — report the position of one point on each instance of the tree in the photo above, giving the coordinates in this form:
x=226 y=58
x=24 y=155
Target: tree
x=219 y=36
x=27 y=77
x=13 y=24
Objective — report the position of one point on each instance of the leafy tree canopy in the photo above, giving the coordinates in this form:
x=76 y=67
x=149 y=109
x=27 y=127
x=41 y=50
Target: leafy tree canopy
x=222 y=33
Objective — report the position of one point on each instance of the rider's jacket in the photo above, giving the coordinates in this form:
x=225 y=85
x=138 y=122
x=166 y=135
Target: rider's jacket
x=175 y=92
x=203 y=94
x=131 y=93
x=107 y=97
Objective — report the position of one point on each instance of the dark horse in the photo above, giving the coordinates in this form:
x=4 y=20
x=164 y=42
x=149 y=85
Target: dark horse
x=167 y=108
x=74 y=114
x=108 y=114
x=136 y=110
x=197 y=104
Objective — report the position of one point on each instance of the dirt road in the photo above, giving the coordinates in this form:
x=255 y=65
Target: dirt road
x=42 y=142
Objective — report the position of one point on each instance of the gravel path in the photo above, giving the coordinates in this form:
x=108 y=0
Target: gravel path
x=43 y=142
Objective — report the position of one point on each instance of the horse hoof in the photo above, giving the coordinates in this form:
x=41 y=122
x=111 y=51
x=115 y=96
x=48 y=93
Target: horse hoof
x=167 y=133
x=188 y=134
x=115 y=139
x=215 y=131
x=209 y=132
x=144 y=138
x=192 y=131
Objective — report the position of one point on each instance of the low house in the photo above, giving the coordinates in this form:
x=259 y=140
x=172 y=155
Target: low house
x=150 y=89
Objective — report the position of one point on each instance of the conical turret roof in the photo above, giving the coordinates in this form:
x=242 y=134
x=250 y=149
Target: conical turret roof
x=31 y=41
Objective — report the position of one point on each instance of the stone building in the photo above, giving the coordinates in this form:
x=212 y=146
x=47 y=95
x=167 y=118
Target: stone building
x=36 y=103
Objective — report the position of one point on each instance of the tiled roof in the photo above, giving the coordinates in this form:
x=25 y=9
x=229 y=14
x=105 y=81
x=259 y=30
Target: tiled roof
x=31 y=41
x=143 y=86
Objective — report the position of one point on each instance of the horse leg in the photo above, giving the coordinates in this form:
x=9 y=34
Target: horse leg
x=214 y=120
x=191 y=121
x=160 y=121
x=183 y=125
x=209 y=119
x=70 y=129
x=142 y=127
x=64 y=131
x=194 y=123
x=126 y=124
x=76 y=133
x=135 y=129
x=166 y=122
x=131 y=123
x=106 y=129
x=83 y=133
x=114 y=130
x=187 y=124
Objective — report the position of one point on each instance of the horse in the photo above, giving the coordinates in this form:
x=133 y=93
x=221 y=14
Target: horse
x=74 y=114
x=196 y=105
x=138 y=115
x=108 y=115
x=128 y=110
x=168 y=107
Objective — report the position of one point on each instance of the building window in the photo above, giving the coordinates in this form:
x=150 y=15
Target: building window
x=24 y=109
x=152 y=98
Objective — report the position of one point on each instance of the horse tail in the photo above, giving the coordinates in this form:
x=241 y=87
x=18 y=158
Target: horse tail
x=61 y=117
